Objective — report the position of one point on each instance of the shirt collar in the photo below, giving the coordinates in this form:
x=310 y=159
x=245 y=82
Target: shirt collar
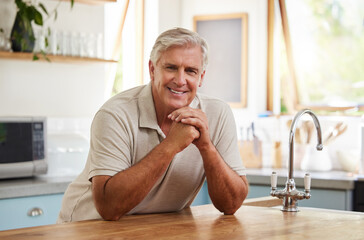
x=147 y=114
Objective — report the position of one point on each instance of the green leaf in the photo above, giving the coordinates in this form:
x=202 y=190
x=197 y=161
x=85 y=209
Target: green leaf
x=35 y=57
x=30 y=12
x=20 y=4
x=38 y=19
x=72 y=2
x=43 y=8
x=46 y=42
x=44 y=54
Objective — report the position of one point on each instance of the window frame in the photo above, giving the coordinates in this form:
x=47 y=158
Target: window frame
x=271 y=94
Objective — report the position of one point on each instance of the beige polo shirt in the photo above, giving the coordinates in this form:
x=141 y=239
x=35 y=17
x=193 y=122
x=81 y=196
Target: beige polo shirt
x=124 y=131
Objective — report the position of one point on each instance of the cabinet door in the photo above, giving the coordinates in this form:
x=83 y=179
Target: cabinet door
x=202 y=197
x=29 y=211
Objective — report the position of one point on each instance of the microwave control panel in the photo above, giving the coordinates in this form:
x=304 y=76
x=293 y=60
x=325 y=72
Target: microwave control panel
x=38 y=140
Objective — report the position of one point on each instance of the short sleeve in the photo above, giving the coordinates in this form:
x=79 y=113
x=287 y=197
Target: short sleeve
x=225 y=137
x=110 y=145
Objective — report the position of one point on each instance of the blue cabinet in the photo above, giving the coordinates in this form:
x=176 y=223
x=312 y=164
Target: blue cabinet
x=202 y=197
x=29 y=211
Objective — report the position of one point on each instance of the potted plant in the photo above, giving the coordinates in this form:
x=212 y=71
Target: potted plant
x=22 y=34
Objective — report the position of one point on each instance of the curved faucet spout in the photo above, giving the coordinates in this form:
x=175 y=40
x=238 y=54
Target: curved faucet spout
x=319 y=145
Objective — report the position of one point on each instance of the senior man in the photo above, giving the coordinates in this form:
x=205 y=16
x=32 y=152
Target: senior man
x=153 y=146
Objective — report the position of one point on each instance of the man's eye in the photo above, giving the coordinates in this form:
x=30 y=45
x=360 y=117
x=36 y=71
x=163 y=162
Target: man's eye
x=171 y=68
x=191 y=71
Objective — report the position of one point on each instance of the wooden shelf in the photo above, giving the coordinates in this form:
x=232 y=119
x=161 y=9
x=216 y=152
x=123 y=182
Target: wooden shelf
x=93 y=2
x=52 y=58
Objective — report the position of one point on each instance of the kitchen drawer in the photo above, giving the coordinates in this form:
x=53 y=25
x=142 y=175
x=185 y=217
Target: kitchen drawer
x=15 y=211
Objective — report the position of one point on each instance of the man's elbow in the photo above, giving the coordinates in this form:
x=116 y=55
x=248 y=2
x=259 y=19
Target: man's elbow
x=109 y=212
x=230 y=211
x=110 y=215
x=231 y=208
x=228 y=208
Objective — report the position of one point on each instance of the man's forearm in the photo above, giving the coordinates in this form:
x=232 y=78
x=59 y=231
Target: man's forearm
x=122 y=192
x=227 y=189
x=117 y=195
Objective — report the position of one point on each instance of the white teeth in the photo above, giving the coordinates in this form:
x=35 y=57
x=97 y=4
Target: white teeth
x=175 y=91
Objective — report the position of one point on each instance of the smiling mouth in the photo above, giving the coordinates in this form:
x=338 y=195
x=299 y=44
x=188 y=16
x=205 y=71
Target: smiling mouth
x=175 y=92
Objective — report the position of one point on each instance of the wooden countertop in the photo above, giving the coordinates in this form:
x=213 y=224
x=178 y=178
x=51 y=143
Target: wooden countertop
x=205 y=222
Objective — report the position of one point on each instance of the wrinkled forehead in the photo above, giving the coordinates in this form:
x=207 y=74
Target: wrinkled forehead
x=191 y=53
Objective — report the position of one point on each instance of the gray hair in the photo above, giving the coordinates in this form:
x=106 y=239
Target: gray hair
x=178 y=37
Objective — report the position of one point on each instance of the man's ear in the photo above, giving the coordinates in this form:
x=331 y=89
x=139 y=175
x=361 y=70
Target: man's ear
x=202 y=78
x=151 y=70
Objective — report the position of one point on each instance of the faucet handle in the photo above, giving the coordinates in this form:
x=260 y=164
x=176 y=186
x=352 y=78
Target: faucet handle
x=307 y=182
x=273 y=180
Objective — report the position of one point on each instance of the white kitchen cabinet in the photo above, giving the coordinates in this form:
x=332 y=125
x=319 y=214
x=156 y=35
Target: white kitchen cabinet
x=17 y=212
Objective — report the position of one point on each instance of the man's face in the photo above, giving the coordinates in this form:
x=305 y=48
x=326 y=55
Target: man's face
x=176 y=77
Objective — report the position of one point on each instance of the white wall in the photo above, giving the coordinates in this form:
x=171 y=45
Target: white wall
x=50 y=89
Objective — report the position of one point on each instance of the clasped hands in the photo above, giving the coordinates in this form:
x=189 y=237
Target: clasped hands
x=189 y=126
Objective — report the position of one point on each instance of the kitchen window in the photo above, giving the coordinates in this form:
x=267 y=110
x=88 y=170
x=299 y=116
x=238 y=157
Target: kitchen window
x=129 y=47
x=318 y=49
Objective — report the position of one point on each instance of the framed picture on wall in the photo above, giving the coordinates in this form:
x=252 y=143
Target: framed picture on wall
x=226 y=74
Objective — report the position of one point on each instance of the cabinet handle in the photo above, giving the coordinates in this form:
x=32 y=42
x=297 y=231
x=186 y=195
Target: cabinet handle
x=35 y=212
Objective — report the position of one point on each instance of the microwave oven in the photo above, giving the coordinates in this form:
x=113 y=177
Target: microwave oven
x=22 y=147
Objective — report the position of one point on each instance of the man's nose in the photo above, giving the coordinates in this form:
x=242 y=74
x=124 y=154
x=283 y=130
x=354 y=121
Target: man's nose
x=180 y=78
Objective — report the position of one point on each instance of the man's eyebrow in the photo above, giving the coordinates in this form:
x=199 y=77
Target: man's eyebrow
x=195 y=68
x=187 y=67
x=169 y=65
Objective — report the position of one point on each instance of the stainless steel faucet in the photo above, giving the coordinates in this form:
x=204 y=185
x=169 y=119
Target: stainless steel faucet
x=290 y=194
